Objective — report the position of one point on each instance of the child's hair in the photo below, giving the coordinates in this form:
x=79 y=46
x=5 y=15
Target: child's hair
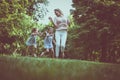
x=49 y=29
x=33 y=30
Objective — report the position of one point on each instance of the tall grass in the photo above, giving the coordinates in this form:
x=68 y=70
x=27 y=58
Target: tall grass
x=29 y=68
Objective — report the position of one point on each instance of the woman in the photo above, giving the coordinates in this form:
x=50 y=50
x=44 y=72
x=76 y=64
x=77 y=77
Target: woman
x=61 y=24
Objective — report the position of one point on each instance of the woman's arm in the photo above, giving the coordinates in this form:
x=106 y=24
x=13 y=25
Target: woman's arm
x=50 y=18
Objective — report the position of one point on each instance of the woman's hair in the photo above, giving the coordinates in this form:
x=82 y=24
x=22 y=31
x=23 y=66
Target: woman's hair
x=58 y=11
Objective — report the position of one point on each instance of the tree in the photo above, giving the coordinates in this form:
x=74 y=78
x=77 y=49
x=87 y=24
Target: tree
x=15 y=24
x=98 y=30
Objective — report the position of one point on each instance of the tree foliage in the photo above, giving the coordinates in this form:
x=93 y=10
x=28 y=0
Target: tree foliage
x=15 y=24
x=96 y=35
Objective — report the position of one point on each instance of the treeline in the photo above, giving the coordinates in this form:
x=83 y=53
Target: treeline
x=16 y=21
x=96 y=33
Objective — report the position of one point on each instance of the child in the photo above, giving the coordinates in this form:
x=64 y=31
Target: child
x=31 y=41
x=48 y=42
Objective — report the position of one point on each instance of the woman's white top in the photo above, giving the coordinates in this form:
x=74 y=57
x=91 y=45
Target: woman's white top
x=61 y=23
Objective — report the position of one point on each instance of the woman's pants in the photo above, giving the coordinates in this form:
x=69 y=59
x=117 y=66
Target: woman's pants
x=61 y=37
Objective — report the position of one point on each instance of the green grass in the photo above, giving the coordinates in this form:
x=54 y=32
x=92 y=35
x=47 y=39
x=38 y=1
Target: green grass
x=29 y=68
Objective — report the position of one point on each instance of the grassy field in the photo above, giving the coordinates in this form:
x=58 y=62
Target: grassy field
x=29 y=68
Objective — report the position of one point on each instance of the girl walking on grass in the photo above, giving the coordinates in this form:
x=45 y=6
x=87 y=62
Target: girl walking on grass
x=31 y=42
x=48 y=42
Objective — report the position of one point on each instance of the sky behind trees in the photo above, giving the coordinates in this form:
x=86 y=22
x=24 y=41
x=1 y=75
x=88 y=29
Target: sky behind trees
x=64 y=5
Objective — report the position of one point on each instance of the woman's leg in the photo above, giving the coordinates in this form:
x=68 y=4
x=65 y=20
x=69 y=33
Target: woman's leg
x=63 y=41
x=57 y=38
